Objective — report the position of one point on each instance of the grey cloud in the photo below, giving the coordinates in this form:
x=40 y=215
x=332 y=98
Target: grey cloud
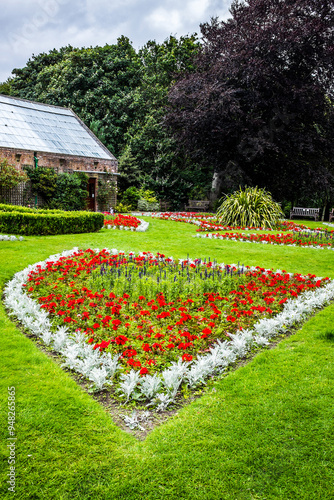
x=41 y=25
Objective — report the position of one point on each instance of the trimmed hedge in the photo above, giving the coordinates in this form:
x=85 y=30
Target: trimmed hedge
x=19 y=208
x=29 y=222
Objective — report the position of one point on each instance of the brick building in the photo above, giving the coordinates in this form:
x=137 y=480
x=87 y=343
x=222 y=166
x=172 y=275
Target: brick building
x=58 y=139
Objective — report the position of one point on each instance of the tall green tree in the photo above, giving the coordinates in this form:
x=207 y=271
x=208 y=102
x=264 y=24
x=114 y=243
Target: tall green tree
x=150 y=151
x=121 y=95
x=94 y=82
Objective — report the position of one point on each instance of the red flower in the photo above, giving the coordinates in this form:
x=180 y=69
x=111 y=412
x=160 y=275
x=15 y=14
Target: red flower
x=205 y=333
x=121 y=340
x=130 y=353
x=187 y=357
x=69 y=320
x=143 y=371
x=157 y=346
x=146 y=347
x=133 y=362
x=145 y=313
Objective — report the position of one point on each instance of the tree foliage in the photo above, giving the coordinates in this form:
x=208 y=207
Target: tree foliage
x=150 y=158
x=259 y=107
x=94 y=82
x=121 y=95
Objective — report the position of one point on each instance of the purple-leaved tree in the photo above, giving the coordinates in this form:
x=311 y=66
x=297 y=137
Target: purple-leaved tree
x=259 y=108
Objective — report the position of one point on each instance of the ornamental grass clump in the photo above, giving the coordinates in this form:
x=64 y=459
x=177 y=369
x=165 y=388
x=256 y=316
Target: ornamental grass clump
x=251 y=207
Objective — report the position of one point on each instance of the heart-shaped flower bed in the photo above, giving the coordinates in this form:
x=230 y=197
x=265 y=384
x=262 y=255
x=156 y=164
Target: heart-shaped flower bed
x=147 y=323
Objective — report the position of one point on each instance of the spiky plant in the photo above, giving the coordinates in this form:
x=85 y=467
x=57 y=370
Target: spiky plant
x=251 y=207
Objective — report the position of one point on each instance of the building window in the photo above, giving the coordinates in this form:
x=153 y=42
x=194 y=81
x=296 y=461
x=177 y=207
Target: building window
x=18 y=158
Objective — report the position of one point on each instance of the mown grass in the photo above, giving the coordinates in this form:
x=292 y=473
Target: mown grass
x=263 y=431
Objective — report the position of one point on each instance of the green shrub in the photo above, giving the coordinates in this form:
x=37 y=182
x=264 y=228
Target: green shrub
x=147 y=195
x=140 y=199
x=251 y=207
x=10 y=177
x=41 y=222
x=64 y=191
x=147 y=202
x=130 y=197
x=122 y=208
x=71 y=192
x=18 y=208
x=145 y=206
x=43 y=181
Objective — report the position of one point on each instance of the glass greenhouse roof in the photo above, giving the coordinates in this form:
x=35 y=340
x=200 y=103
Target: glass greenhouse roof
x=40 y=127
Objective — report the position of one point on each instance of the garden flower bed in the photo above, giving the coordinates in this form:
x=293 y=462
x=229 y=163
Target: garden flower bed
x=312 y=239
x=208 y=222
x=149 y=325
x=281 y=226
x=125 y=222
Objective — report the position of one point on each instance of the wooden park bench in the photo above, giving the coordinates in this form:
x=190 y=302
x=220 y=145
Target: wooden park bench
x=164 y=206
x=331 y=215
x=197 y=206
x=313 y=213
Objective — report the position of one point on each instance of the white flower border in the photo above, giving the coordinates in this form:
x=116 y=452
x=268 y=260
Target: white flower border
x=11 y=237
x=159 y=389
x=210 y=236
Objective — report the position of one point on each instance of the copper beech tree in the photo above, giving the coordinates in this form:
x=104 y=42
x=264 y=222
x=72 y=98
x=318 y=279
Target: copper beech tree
x=259 y=107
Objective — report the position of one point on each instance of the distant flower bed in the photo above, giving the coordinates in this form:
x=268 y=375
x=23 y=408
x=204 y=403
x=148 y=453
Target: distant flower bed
x=280 y=226
x=311 y=239
x=183 y=216
x=121 y=221
x=147 y=323
x=208 y=222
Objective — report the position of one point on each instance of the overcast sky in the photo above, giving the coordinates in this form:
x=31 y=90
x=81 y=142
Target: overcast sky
x=33 y=26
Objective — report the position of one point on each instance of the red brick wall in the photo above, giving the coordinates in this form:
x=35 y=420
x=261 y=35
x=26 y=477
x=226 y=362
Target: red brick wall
x=61 y=163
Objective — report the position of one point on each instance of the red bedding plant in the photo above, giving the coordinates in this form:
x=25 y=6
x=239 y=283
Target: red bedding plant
x=207 y=222
x=121 y=220
x=152 y=310
x=312 y=239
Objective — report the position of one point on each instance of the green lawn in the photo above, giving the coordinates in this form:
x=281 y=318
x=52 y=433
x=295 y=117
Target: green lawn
x=263 y=432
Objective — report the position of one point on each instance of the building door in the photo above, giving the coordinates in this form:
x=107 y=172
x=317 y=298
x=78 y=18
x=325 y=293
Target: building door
x=91 y=200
